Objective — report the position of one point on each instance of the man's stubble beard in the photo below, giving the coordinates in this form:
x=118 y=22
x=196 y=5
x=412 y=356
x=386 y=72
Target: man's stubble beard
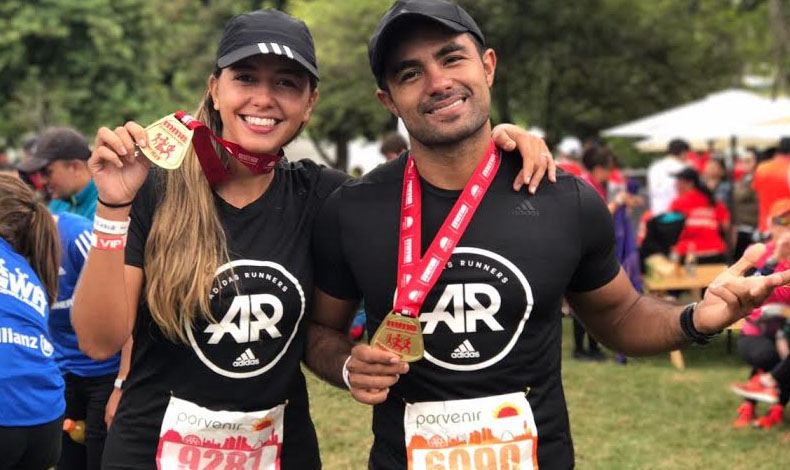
x=433 y=137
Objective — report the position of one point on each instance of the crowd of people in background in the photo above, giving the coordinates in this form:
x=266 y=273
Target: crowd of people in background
x=718 y=212
x=54 y=166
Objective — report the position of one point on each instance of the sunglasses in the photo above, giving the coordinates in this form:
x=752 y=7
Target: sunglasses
x=45 y=172
x=783 y=221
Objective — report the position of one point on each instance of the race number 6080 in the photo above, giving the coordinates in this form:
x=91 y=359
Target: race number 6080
x=195 y=458
x=490 y=457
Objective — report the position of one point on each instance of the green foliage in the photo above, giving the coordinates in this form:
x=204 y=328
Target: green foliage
x=348 y=106
x=585 y=66
x=92 y=63
x=569 y=67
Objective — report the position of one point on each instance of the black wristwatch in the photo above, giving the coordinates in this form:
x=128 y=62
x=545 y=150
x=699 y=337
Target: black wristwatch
x=687 y=325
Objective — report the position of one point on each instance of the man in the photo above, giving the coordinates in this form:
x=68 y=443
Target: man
x=89 y=383
x=569 y=152
x=488 y=389
x=8 y=169
x=660 y=182
x=60 y=158
x=392 y=145
x=772 y=181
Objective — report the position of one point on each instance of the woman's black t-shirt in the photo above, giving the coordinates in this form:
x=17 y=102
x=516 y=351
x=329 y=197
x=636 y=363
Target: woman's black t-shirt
x=248 y=359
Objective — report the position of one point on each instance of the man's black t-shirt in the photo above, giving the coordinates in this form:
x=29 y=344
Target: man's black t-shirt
x=492 y=323
x=249 y=359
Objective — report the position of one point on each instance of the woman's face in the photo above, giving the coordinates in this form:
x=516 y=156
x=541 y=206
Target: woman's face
x=262 y=100
x=712 y=172
x=683 y=186
x=779 y=225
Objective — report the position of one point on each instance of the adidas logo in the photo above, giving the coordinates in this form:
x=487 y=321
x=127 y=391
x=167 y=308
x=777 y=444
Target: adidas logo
x=525 y=208
x=465 y=350
x=247 y=358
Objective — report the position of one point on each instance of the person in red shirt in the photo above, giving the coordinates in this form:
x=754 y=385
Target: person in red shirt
x=772 y=181
x=706 y=220
x=568 y=153
x=763 y=342
x=698 y=160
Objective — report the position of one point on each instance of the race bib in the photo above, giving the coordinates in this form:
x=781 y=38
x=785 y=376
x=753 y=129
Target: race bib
x=491 y=433
x=196 y=438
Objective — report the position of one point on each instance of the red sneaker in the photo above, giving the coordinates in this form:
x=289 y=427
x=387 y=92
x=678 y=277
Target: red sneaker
x=755 y=390
x=771 y=419
x=745 y=415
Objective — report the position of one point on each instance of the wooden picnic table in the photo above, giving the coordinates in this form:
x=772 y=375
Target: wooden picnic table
x=681 y=280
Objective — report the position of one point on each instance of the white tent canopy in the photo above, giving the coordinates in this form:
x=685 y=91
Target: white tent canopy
x=713 y=120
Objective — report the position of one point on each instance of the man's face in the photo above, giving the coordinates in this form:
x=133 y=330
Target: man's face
x=60 y=179
x=600 y=174
x=438 y=83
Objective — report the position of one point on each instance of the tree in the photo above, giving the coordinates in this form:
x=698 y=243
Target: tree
x=89 y=63
x=575 y=69
x=780 y=23
x=347 y=107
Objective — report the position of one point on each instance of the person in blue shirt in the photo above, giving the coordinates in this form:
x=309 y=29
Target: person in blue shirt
x=89 y=383
x=31 y=388
x=60 y=157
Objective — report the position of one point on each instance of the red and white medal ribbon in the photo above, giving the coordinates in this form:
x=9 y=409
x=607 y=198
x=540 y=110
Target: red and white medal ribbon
x=417 y=275
x=212 y=166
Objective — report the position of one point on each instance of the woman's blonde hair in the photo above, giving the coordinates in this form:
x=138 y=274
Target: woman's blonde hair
x=187 y=243
x=29 y=228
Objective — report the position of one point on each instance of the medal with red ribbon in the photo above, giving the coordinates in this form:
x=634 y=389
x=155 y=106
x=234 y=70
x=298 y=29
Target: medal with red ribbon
x=400 y=331
x=169 y=139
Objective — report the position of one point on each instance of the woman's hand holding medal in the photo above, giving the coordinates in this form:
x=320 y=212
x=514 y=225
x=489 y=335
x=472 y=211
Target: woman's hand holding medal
x=372 y=372
x=117 y=167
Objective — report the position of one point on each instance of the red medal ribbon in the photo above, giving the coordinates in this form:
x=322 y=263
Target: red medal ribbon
x=417 y=276
x=212 y=166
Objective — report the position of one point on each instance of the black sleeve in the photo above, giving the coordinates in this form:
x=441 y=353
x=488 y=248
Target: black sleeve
x=598 y=264
x=332 y=273
x=142 y=215
x=329 y=180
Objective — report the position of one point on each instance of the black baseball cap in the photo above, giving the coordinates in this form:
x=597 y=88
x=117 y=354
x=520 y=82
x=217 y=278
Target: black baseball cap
x=444 y=13
x=687 y=173
x=267 y=32
x=57 y=143
x=784 y=145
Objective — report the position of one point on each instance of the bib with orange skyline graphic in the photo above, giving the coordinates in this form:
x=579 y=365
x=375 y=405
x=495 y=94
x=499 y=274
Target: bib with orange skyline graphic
x=491 y=433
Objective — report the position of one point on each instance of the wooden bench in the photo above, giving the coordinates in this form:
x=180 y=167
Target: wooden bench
x=683 y=281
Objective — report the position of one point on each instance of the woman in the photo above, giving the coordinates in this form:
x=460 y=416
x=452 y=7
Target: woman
x=763 y=342
x=706 y=220
x=31 y=388
x=219 y=276
x=715 y=178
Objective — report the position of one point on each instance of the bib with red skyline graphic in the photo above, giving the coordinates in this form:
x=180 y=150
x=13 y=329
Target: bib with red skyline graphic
x=193 y=437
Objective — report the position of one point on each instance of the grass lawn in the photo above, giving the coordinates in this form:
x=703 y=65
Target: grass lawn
x=645 y=415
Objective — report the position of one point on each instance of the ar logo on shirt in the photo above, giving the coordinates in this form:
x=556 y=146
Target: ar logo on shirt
x=475 y=314
x=255 y=304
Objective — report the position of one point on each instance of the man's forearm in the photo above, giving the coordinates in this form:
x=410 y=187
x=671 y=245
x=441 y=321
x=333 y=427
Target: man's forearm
x=327 y=350
x=648 y=326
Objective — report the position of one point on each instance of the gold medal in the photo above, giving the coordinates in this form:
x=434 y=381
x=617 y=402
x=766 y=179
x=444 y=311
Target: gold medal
x=168 y=142
x=401 y=335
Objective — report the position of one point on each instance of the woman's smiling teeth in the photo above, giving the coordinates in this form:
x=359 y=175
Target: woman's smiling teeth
x=259 y=121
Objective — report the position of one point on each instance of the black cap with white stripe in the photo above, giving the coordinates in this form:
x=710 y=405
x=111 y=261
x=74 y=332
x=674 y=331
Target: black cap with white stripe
x=267 y=32
x=442 y=12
